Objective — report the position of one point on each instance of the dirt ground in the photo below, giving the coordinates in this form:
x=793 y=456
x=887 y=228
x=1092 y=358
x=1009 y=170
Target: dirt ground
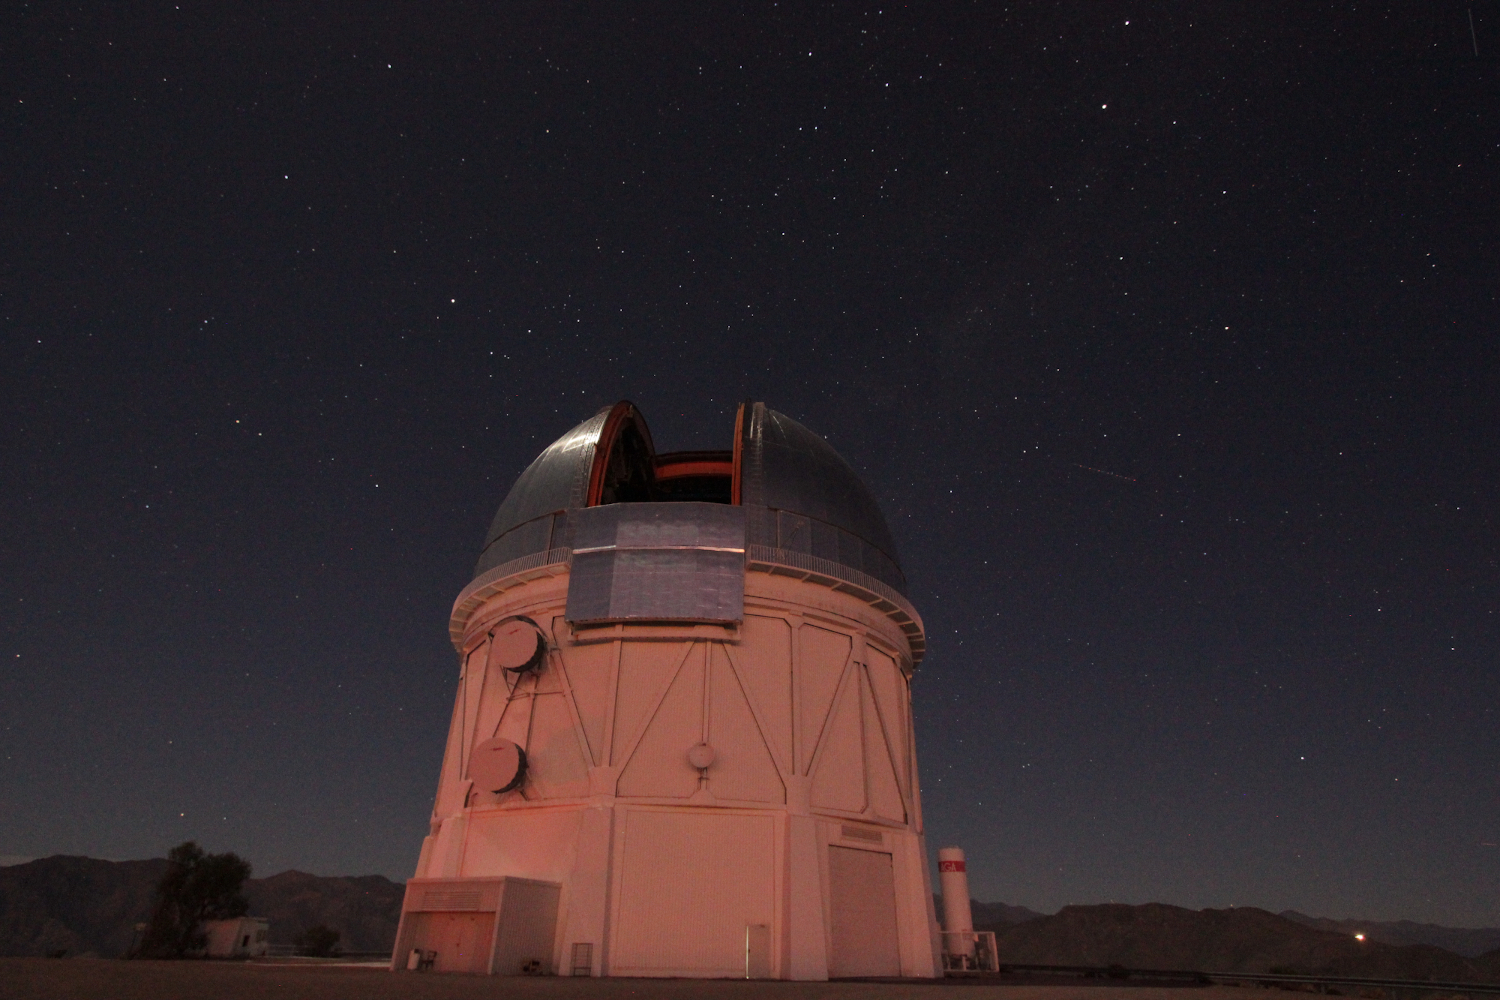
x=103 y=979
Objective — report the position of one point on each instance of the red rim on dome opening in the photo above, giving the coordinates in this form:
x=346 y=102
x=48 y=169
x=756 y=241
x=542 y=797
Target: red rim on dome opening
x=624 y=422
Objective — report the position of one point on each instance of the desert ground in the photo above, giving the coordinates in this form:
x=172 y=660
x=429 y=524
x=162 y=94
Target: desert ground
x=104 y=979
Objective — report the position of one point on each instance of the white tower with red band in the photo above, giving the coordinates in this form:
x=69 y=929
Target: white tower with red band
x=958 y=914
x=682 y=738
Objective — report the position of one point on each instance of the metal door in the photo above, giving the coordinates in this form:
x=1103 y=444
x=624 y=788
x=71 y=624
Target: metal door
x=461 y=940
x=862 y=898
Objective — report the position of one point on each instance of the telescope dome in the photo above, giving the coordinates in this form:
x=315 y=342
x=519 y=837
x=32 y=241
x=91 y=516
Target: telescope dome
x=802 y=500
x=682 y=739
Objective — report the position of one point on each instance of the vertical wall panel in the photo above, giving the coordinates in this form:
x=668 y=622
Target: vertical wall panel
x=473 y=687
x=555 y=760
x=491 y=704
x=743 y=768
x=588 y=668
x=449 y=784
x=839 y=776
x=887 y=682
x=515 y=723
x=821 y=656
x=690 y=885
x=764 y=655
x=885 y=793
x=659 y=765
x=548 y=679
x=644 y=668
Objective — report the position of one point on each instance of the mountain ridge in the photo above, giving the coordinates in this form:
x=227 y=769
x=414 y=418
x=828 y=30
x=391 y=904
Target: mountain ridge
x=86 y=906
x=1242 y=939
x=1471 y=942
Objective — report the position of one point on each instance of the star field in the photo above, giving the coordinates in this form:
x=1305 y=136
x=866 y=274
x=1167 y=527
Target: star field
x=1164 y=336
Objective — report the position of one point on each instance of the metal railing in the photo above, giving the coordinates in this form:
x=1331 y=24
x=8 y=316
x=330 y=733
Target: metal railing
x=970 y=951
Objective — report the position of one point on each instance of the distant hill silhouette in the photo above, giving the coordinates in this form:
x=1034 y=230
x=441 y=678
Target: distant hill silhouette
x=364 y=909
x=1470 y=942
x=991 y=916
x=78 y=905
x=87 y=906
x=1157 y=936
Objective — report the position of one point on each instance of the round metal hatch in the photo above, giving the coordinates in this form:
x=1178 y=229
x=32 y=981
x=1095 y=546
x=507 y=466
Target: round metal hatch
x=497 y=765
x=517 y=645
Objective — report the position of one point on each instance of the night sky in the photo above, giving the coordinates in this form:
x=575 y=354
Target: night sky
x=1165 y=334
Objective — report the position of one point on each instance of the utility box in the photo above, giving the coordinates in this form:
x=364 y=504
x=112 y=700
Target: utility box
x=485 y=926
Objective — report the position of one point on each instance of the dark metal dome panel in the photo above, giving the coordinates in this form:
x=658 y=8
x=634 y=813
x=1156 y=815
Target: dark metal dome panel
x=812 y=501
x=557 y=481
x=799 y=495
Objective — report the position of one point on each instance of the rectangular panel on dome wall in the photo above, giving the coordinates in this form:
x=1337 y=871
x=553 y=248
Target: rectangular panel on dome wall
x=657 y=562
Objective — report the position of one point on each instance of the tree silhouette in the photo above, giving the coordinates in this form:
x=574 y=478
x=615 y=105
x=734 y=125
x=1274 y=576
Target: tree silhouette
x=195 y=888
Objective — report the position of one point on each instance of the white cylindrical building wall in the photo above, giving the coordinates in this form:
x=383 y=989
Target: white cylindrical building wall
x=796 y=852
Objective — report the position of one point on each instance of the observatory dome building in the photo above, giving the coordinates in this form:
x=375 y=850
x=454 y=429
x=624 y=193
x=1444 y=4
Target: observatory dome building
x=682 y=739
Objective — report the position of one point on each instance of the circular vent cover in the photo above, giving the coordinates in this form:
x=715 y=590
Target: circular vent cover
x=701 y=755
x=497 y=765
x=516 y=644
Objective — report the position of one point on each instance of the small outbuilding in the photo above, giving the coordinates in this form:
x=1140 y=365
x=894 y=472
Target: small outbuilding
x=238 y=937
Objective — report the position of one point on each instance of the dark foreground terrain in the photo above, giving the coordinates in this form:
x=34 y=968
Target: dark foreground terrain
x=85 y=906
x=103 y=979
